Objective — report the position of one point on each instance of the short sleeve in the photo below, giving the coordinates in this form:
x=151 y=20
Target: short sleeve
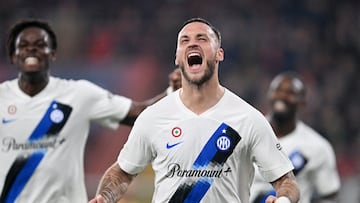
x=136 y=153
x=104 y=107
x=267 y=152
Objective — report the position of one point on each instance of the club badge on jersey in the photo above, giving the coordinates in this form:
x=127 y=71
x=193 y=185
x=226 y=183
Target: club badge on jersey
x=26 y=163
x=208 y=165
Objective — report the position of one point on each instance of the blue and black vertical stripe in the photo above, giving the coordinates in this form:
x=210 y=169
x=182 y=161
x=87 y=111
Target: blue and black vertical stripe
x=192 y=191
x=25 y=165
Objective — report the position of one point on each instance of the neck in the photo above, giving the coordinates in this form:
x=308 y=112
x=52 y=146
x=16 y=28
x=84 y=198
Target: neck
x=282 y=128
x=32 y=83
x=200 y=98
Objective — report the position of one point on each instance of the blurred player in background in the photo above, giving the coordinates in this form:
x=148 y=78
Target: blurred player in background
x=311 y=154
x=45 y=121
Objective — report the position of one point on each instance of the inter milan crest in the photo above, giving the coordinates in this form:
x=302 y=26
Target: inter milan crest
x=223 y=143
x=207 y=167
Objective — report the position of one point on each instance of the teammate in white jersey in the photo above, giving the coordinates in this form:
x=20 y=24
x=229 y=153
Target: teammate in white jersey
x=201 y=140
x=45 y=121
x=311 y=154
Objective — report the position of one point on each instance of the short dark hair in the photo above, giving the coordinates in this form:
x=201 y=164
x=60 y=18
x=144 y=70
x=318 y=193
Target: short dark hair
x=26 y=23
x=201 y=20
x=294 y=76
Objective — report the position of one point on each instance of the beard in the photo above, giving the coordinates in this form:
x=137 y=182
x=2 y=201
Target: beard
x=284 y=116
x=281 y=117
x=209 y=72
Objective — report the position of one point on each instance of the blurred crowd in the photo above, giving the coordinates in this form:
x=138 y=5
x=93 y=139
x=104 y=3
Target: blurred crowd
x=129 y=47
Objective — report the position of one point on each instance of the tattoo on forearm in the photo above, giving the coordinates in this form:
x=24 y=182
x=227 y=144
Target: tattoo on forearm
x=287 y=186
x=114 y=184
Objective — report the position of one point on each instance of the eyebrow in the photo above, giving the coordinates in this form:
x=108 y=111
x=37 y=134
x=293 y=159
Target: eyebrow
x=22 y=40
x=197 y=35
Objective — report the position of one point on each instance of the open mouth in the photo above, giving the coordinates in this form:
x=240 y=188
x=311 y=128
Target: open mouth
x=31 y=61
x=280 y=106
x=194 y=59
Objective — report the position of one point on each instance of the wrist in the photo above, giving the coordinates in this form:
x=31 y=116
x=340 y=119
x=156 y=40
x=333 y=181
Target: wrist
x=282 y=199
x=108 y=196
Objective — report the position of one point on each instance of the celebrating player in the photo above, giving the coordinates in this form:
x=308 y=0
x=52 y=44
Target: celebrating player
x=46 y=120
x=311 y=154
x=202 y=139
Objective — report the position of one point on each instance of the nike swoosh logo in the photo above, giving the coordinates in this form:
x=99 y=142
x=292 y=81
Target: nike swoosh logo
x=6 y=121
x=169 y=146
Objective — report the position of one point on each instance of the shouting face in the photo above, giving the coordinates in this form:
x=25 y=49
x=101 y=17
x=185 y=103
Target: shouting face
x=198 y=53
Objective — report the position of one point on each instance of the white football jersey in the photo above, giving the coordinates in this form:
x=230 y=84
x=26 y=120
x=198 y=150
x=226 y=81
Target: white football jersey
x=203 y=158
x=314 y=165
x=42 y=138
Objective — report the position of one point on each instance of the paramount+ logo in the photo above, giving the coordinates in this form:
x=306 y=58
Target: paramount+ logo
x=9 y=143
x=176 y=171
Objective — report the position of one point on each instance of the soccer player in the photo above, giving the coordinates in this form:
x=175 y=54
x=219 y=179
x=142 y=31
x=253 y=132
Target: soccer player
x=45 y=121
x=311 y=154
x=202 y=139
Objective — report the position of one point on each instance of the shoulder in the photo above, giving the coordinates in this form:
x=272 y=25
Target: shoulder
x=162 y=106
x=79 y=89
x=82 y=85
x=312 y=134
x=6 y=84
x=72 y=82
x=165 y=109
x=250 y=122
x=316 y=142
x=242 y=108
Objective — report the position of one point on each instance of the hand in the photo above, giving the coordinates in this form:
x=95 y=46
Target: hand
x=270 y=199
x=98 y=199
x=175 y=79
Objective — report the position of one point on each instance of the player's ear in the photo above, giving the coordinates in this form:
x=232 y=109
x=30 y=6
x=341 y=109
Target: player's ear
x=220 y=55
x=12 y=59
x=53 y=55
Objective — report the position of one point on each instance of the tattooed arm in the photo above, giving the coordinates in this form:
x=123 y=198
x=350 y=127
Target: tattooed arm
x=286 y=187
x=112 y=185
